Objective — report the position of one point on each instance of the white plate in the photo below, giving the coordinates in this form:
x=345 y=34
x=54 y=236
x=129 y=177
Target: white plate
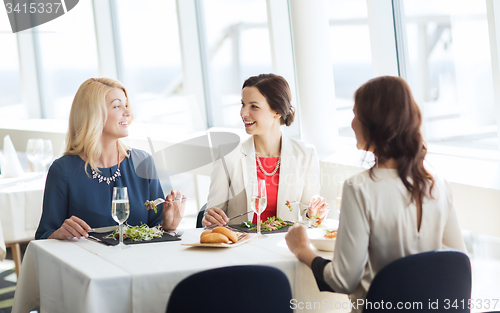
x=318 y=240
x=242 y=238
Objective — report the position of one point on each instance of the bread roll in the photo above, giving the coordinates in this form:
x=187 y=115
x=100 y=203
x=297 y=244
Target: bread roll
x=206 y=232
x=214 y=238
x=226 y=232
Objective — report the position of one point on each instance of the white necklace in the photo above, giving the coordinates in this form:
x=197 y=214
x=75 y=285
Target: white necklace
x=108 y=180
x=262 y=168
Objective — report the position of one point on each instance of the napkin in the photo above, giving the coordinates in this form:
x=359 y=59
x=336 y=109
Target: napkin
x=11 y=167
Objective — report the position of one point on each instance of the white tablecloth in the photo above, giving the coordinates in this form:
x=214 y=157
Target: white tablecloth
x=84 y=276
x=21 y=206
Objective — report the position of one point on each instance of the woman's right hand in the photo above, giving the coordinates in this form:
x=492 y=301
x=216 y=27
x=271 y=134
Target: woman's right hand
x=215 y=216
x=72 y=227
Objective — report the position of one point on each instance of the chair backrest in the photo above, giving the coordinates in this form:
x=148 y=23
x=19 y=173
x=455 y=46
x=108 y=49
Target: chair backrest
x=242 y=289
x=199 y=218
x=437 y=281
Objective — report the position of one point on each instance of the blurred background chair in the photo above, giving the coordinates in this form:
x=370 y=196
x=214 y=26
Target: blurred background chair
x=243 y=289
x=423 y=278
x=15 y=246
x=199 y=218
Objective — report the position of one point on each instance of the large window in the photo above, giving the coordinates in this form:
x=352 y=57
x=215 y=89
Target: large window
x=443 y=46
x=450 y=71
x=151 y=64
x=11 y=103
x=67 y=53
x=350 y=55
x=237 y=46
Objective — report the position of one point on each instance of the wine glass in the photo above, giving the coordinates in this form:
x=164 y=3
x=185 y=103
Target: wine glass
x=120 y=210
x=46 y=154
x=258 y=201
x=34 y=152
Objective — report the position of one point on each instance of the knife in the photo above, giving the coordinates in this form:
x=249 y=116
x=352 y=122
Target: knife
x=104 y=229
x=232 y=218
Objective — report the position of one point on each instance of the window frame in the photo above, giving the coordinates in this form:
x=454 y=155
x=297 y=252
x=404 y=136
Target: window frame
x=387 y=37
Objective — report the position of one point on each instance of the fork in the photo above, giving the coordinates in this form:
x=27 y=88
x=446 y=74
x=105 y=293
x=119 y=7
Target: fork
x=232 y=218
x=94 y=238
x=306 y=206
x=294 y=202
x=175 y=233
x=160 y=201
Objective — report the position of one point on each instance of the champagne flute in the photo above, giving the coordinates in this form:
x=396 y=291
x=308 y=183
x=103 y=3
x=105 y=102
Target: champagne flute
x=258 y=201
x=46 y=155
x=120 y=210
x=34 y=152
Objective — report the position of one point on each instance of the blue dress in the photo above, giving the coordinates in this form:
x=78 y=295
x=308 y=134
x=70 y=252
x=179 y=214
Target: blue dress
x=69 y=191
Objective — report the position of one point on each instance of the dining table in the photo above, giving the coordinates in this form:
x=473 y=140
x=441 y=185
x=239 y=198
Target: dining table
x=82 y=275
x=21 y=205
x=20 y=211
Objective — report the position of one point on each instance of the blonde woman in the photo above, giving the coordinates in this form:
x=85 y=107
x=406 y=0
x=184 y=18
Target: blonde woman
x=80 y=184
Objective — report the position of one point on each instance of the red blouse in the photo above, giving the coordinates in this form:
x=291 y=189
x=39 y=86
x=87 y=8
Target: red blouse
x=272 y=183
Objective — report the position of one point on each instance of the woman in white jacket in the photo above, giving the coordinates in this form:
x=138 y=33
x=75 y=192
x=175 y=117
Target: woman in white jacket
x=395 y=209
x=289 y=167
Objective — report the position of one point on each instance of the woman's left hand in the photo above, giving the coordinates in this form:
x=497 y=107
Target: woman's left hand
x=296 y=239
x=173 y=211
x=298 y=242
x=318 y=206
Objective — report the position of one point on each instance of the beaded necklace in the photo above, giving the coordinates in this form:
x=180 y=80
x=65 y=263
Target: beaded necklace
x=262 y=168
x=108 y=180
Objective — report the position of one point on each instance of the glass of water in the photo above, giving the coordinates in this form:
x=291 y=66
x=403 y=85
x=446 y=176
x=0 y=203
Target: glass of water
x=47 y=155
x=34 y=152
x=120 y=210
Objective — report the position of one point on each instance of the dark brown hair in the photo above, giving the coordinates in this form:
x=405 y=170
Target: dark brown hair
x=277 y=93
x=391 y=123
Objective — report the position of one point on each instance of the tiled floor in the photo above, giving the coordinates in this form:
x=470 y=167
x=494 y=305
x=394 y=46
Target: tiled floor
x=7 y=285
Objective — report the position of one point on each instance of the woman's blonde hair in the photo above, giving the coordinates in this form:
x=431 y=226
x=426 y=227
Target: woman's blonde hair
x=87 y=119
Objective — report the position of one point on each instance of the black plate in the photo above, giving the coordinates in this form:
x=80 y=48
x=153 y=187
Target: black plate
x=246 y=230
x=114 y=242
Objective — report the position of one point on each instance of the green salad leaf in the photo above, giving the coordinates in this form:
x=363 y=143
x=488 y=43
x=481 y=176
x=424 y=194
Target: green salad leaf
x=151 y=205
x=271 y=224
x=246 y=224
x=138 y=233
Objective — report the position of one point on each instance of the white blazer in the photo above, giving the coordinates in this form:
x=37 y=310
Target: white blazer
x=233 y=174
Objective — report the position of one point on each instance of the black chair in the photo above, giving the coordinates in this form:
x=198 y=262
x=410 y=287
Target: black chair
x=199 y=218
x=242 y=289
x=414 y=284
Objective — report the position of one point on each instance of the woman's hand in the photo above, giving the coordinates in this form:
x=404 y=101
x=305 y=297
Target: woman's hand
x=173 y=211
x=298 y=242
x=72 y=227
x=215 y=216
x=318 y=206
